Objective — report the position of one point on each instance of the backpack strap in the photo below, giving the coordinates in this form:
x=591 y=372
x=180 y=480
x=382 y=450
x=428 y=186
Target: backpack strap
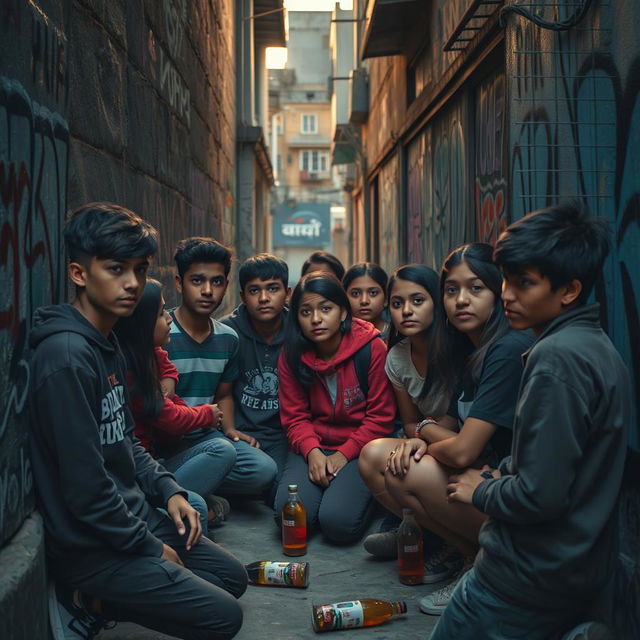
x=362 y=362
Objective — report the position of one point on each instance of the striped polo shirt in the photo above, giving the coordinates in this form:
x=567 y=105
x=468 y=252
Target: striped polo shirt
x=203 y=365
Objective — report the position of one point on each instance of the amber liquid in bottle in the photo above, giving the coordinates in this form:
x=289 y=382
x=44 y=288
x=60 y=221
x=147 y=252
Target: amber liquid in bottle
x=357 y=613
x=294 y=525
x=410 y=550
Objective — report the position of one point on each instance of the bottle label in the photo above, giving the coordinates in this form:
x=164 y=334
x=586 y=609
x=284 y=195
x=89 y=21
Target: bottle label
x=289 y=523
x=281 y=572
x=410 y=548
x=342 y=615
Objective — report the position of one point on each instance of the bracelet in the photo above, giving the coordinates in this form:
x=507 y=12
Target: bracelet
x=487 y=474
x=423 y=423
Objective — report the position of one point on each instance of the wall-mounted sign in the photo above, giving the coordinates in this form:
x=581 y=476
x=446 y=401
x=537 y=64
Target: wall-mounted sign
x=308 y=225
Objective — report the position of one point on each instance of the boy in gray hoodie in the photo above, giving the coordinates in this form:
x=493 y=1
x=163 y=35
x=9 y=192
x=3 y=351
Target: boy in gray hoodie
x=260 y=322
x=549 y=545
x=113 y=554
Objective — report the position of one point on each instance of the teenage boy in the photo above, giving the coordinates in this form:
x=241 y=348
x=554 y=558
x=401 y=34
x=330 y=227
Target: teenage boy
x=205 y=351
x=113 y=555
x=261 y=321
x=549 y=544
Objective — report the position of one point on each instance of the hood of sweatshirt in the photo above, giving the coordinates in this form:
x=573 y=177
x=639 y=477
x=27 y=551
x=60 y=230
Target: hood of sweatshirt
x=361 y=333
x=63 y=318
x=239 y=319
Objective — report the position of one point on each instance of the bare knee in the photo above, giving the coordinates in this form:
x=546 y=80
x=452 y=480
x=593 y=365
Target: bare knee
x=373 y=457
x=423 y=476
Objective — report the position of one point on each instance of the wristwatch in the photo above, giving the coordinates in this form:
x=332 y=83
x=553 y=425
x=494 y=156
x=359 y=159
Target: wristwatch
x=487 y=474
x=422 y=424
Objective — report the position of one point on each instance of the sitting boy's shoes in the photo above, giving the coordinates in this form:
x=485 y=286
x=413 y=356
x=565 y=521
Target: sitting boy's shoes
x=589 y=631
x=442 y=564
x=69 y=620
x=436 y=602
x=382 y=545
x=219 y=509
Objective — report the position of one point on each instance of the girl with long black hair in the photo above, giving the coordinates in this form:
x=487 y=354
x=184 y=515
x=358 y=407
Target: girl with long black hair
x=162 y=418
x=327 y=415
x=477 y=427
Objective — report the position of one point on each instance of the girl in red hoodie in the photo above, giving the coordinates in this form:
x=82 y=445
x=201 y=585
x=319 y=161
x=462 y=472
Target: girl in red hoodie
x=326 y=415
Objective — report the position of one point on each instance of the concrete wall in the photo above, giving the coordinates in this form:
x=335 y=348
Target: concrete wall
x=132 y=102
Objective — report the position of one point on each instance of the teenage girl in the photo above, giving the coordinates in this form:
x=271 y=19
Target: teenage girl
x=414 y=303
x=162 y=419
x=366 y=286
x=477 y=427
x=323 y=261
x=324 y=412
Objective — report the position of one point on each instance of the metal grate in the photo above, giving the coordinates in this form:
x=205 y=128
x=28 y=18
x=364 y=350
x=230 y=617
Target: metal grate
x=472 y=21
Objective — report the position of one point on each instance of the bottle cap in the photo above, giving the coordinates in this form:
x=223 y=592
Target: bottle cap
x=407 y=512
x=293 y=487
x=402 y=606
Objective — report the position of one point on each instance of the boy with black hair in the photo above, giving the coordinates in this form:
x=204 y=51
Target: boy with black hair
x=114 y=556
x=205 y=352
x=549 y=545
x=260 y=321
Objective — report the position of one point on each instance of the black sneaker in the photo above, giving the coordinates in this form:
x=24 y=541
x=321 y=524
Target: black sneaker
x=68 y=620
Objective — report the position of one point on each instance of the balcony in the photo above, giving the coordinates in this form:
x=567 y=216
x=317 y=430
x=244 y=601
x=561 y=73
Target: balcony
x=313 y=176
x=386 y=26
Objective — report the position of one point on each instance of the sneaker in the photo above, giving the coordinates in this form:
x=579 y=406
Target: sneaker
x=382 y=545
x=436 y=602
x=442 y=564
x=68 y=619
x=589 y=631
x=219 y=509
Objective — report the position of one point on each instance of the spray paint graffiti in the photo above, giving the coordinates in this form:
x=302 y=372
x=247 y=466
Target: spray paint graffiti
x=161 y=63
x=490 y=183
x=580 y=137
x=34 y=146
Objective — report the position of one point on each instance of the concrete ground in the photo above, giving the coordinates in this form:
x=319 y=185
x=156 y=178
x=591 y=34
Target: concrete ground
x=337 y=574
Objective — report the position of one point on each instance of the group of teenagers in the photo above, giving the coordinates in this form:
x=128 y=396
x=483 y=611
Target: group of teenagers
x=486 y=398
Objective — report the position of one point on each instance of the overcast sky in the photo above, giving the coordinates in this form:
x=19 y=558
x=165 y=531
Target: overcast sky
x=316 y=5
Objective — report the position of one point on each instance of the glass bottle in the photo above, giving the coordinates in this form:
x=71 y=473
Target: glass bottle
x=294 y=525
x=410 y=550
x=286 y=574
x=357 y=613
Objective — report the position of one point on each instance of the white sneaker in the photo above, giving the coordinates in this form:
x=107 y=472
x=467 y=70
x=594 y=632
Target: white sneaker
x=436 y=602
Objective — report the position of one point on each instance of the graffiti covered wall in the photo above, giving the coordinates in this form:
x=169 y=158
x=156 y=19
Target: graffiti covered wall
x=128 y=102
x=575 y=133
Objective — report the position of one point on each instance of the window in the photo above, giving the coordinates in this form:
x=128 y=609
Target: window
x=314 y=161
x=309 y=123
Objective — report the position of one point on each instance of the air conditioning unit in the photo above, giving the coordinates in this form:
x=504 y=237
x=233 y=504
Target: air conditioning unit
x=358 y=96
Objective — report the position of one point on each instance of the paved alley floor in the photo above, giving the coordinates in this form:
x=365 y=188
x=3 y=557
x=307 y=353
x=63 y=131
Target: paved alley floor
x=337 y=574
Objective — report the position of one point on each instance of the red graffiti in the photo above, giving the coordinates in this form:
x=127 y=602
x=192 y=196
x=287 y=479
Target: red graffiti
x=490 y=210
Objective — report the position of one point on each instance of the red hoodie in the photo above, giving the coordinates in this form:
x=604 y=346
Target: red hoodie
x=175 y=417
x=310 y=417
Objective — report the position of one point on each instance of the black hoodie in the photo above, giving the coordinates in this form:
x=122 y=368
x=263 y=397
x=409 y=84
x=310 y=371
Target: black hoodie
x=91 y=475
x=255 y=392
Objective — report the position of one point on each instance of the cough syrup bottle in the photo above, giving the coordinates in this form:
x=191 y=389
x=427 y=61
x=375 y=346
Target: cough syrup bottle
x=285 y=574
x=294 y=525
x=355 y=613
x=410 y=556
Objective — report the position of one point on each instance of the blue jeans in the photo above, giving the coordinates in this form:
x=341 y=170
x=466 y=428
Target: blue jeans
x=201 y=467
x=473 y=607
x=253 y=470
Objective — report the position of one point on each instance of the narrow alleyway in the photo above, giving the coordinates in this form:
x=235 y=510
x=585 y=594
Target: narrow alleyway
x=337 y=573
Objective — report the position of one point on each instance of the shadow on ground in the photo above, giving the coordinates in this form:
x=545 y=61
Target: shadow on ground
x=337 y=574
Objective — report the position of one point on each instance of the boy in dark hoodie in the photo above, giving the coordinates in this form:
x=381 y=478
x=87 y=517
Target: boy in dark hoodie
x=550 y=542
x=260 y=322
x=114 y=556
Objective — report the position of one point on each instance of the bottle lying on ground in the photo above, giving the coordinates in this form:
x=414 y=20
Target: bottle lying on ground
x=294 y=525
x=286 y=574
x=410 y=555
x=357 y=613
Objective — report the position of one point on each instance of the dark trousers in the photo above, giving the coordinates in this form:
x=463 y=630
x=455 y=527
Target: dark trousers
x=197 y=601
x=342 y=511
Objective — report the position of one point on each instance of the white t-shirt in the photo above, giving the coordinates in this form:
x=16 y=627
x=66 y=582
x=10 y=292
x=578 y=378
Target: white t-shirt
x=403 y=375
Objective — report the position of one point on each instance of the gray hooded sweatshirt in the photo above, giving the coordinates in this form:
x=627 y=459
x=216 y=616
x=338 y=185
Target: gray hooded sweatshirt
x=551 y=539
x=255 y=392
x=95 y=482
